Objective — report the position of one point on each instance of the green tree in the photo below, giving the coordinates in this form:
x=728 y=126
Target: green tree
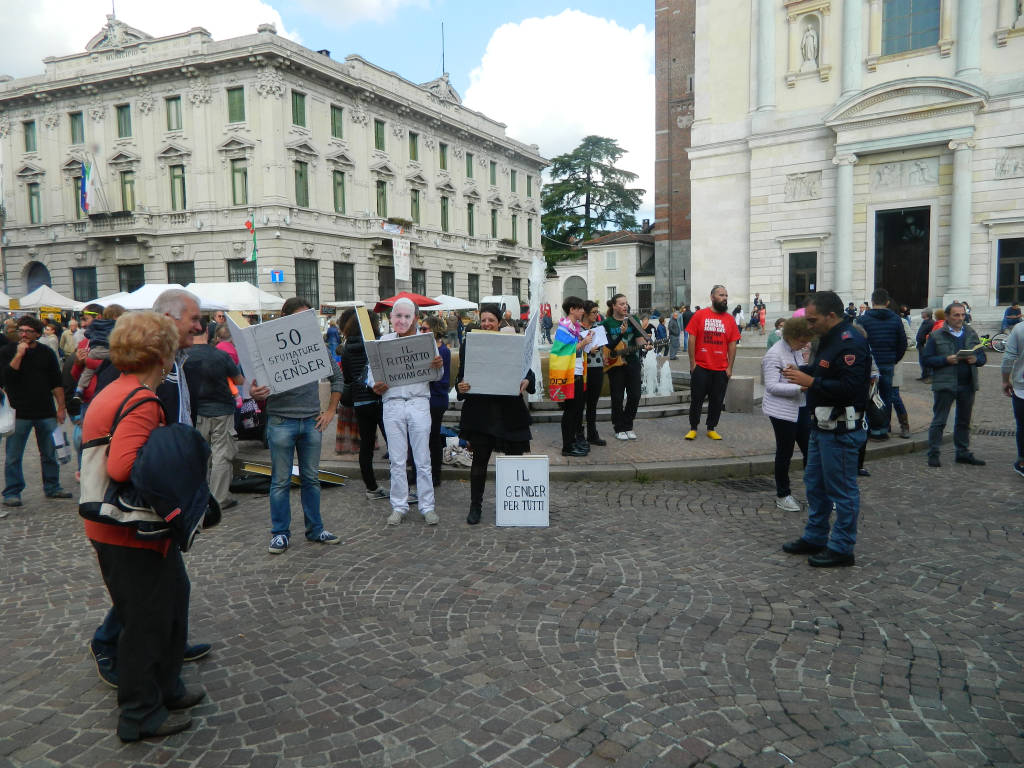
x=587 y=195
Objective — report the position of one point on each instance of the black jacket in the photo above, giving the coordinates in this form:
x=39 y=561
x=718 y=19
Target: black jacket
x=353 y=370
x=923 y=331
x=505 y=417
x=841 y=368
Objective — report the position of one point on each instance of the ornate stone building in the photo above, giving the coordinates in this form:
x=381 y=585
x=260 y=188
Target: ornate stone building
x=852 y=144
x=188 y=138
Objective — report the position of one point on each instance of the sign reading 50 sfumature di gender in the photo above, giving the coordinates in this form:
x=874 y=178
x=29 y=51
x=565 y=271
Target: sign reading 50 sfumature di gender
x=284 y=353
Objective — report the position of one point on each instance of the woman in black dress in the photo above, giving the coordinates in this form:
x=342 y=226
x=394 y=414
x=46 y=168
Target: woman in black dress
x=491 y=422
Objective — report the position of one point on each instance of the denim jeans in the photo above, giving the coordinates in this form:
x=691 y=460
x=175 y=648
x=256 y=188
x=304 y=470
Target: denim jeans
x=885 y=374
x=14 y=449
x=286 y=438
x=831 y=478
x=1018 y=415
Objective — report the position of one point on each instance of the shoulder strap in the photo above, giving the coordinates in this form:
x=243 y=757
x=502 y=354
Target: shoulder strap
x=123 y=410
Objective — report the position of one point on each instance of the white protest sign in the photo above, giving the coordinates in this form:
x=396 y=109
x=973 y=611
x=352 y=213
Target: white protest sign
x=404 y=360
x=494 y=363
x=284 y=353
x=521 y=491
x=530 y=341
x=400 y=251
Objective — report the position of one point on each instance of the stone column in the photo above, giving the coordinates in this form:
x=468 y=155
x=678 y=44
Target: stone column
x=843 y=279
x=968 y=43
x=960 y=219
x=765 y=55
x=852 y=54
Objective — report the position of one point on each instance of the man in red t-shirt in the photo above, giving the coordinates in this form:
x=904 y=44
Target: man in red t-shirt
x=712 y=349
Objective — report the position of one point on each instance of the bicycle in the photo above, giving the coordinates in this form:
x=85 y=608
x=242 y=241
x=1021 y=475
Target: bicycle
x=995 y=341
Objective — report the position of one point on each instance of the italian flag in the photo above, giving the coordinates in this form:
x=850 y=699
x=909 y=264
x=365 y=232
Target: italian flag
x=252 y=256
x=83 y=199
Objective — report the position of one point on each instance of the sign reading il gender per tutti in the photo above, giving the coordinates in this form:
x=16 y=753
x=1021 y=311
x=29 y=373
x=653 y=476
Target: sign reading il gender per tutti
x=521 y=491
x=406 y=360
x=284 y=353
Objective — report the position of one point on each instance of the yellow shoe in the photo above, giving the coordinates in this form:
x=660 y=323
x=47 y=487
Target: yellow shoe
x=691 y=435
x=714 y=435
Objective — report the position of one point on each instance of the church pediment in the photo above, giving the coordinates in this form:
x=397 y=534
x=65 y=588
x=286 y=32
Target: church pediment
x=122 y=157
x=416 y=179
x=72 y=165
x=116 y=34
x=29 y=171
x=303 y=148
x=340 y=158
x=172 y=152
x=471 y=193
x=446 y=187
x=495 y=199
x=235 y=144
x=909 y=99
x=383 y=168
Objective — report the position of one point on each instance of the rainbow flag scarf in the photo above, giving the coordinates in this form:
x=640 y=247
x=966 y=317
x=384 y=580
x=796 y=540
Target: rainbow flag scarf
x=562 y=363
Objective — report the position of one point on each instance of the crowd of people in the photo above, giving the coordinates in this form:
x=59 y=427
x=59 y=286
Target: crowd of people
x=156 y=399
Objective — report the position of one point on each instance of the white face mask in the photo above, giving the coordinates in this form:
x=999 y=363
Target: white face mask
x=402 y=318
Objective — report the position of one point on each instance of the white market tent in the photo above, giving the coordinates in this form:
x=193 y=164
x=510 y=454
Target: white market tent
x=5 y=301
x=448 y=303
x=45 y=296
x=241 y=297
x=115 y=298
x=144 y=297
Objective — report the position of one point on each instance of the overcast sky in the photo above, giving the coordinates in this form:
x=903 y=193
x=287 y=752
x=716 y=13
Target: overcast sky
x=552 y=72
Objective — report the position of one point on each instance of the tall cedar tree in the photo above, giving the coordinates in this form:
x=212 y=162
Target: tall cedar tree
x=586 y=194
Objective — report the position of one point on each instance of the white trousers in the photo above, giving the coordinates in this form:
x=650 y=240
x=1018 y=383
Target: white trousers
x=407 y=422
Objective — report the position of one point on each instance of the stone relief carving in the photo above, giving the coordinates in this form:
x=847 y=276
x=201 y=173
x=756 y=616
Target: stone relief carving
x=145 y=102
x=398 y=130
x=482 y=162
x=803 y=186
x=1011 y=164
x=685 y=117
x=5 y=126
x=459 y=153
x=908 y=173
x=269 y=83
x=97 y=111
x=199 y=92
x=51 y=119
x=359 y=115
x=429 y=142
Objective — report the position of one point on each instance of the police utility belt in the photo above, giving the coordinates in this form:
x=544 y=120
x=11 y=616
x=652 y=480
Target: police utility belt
x=838 y=419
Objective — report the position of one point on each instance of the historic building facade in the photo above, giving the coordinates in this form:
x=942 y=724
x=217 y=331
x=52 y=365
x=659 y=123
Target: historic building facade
x=854 y=144
x=673 y=114
x=188 y=138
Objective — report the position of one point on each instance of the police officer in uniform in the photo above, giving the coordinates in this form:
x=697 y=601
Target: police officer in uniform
x=836 y=381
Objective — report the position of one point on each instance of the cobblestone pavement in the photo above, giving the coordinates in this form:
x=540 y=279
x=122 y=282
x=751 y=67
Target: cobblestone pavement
x=653 y=624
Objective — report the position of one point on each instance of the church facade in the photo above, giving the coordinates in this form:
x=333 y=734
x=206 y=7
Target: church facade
x=186 y=139
x=851 y=144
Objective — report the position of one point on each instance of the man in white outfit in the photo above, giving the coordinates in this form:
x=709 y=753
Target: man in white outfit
x=407 y=422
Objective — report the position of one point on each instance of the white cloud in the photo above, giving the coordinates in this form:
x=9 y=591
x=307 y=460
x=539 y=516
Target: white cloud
x=557 y=79
x=347 y=12
x=30 y=31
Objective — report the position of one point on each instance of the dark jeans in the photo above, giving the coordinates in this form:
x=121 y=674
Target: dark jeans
x=624 y=379
x=369 y=419
x=436 y=442
x=710 y=385
x=787 y=435
x=964 y=397
x=572 y=414
x=885 y=392
x=595 y=382
x=107 y=634
x=150 y=594
x=483 y=447
x=14 y=450
x=1018 y=415
x=831 y=479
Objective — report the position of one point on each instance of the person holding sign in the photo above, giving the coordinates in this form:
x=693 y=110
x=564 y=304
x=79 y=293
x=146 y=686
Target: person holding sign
x=407 y=423
x=491 y=422
x=295 y=425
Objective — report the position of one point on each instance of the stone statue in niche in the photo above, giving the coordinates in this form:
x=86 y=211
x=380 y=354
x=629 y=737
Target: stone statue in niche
x=809 y=48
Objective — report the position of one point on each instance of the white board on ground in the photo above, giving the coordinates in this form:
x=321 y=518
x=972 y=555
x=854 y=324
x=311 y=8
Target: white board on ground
x=405 y=360
x=494 y=362
x=283 y=353
x=521 y=491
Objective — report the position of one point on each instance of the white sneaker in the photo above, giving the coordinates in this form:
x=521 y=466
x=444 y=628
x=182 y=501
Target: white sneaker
x=431 y=518
x=395 y=518
x=622 y=436
x=788 y=504
x=631 y=435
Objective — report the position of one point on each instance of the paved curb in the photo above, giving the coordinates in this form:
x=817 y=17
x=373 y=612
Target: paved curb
x=697 y=469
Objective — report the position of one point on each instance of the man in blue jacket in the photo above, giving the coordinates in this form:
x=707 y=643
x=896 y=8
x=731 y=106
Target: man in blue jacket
x=887 y=338
x=836 y=383
x=954 y=378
